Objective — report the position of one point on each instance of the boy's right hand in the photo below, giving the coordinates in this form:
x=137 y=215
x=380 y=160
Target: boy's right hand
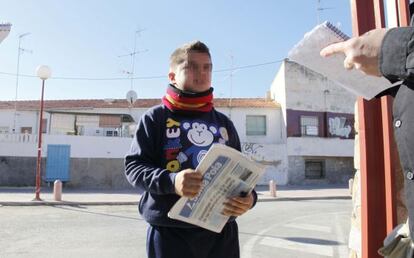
x=188 y=183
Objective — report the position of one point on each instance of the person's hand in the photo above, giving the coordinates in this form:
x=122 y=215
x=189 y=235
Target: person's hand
x=237 y=206
x=361 y=52
x=188 y=183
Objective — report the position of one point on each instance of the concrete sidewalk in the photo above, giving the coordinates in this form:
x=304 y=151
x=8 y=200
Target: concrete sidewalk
x=23 y=196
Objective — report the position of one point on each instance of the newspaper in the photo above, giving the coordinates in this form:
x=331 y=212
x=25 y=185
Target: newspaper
x=306 y=53
x=226 y=173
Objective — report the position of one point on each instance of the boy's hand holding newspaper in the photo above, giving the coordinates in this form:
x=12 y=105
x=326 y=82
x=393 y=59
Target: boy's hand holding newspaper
x=227 y=183
x=188 y=183
x=237 y=206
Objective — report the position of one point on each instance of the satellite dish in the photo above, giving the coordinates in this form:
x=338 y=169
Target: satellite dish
x=131 y=97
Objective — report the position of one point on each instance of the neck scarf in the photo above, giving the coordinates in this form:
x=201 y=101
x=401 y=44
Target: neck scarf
x=176 y=99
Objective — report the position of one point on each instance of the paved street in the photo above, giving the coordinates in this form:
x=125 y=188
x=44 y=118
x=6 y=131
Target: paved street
x=285 y=228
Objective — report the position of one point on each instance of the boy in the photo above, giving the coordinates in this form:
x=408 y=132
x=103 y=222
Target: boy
x=170 y=141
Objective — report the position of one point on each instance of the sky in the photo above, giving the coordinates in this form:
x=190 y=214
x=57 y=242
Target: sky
x=87 y=43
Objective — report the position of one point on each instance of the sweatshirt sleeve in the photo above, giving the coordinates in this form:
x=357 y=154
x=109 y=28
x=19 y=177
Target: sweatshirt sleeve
x=396 y=58
x=142 y=162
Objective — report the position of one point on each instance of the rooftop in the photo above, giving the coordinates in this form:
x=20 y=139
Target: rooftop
x=122 y=103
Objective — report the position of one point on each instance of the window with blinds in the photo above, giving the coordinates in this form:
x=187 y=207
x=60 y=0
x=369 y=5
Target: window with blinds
x=106 y=121
x=255 y=125
x=309 y=125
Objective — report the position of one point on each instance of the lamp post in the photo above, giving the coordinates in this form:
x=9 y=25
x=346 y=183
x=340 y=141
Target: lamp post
x=43 y=72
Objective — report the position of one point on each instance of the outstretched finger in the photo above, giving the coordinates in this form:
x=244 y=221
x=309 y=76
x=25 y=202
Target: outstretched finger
x=333 y=49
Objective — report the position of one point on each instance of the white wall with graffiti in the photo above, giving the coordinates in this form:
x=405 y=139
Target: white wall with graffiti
x=337 y=126
x=273 y=157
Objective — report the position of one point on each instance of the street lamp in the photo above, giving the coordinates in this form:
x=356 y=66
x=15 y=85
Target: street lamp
x=43 y=72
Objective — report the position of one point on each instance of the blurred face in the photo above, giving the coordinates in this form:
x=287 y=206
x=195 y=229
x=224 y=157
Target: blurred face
x=194 y=74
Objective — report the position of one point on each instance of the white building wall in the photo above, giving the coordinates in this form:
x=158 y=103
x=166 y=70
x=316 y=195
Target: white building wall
x=81 y=146
x=6 y=118
x=323 y=147
x=274 y=126
x=278 y=90
x=273 y=157
x=23 y=119
x=310 y=91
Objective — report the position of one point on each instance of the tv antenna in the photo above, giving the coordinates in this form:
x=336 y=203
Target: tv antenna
x=132 y=55
x=320 y=9
x=20 y=50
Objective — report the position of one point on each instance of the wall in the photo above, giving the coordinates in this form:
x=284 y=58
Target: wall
x=273 y=157
x=338 y=170
x=308 y=90
x=97 y=162
x=274 y=130
x=91 y=173
x=278 y=89
x=314 y=146
x=23 y=119
x=81 y=146
x=17 y=171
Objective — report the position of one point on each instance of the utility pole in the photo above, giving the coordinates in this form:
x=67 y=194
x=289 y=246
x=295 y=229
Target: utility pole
x=231 y=83
x=19 y=51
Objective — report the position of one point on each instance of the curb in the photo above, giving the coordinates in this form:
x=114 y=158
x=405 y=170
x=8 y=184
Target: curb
x=64 y=203
x=272 y=199
x=98 y=203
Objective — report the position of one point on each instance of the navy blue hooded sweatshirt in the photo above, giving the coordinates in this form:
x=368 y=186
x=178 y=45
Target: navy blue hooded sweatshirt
x=167 y=142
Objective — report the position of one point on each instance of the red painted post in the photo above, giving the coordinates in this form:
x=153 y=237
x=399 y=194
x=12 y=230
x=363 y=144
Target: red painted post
x=367 y=15
x=390 y=164
x=403 y=13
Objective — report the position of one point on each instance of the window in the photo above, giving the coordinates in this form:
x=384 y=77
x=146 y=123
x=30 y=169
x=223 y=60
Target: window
x=255 y=125
x=309 y=125
x=44 y=126
x=27 y=130
x=111 y=133
x=4 y=129
x=62 y=124
x=107 y=121
x=314 y=169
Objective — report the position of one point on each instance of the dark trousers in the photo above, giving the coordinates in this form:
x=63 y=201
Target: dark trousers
x=170 y=242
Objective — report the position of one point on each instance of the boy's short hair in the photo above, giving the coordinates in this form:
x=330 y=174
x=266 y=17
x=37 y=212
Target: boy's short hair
x=180 y=54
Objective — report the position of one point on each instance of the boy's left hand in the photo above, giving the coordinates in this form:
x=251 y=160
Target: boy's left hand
x=236 y=206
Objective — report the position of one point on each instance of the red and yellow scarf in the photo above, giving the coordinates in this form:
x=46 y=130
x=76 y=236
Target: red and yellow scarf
x=176 y=99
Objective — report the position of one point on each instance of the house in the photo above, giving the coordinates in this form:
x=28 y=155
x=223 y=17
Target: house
x=319 y=119
x=95 y=134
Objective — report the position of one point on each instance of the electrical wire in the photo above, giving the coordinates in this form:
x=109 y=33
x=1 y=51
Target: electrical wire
x=141 y=77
